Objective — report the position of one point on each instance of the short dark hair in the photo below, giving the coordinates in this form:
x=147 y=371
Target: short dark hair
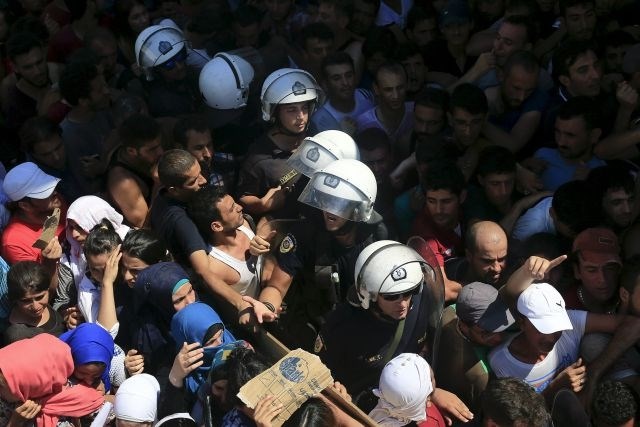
x=145 y=245
x=565 y=4
x=614 y=176
x=344 y=7
x=75 y=80
x=614 y=403
x=470 y=98
x=22 y=43
x=336 y=58
x=315 y=30
x=246 y=15
x=444 y=176
x=390 y=67
x=407 y=50
x=99 y=34
x=419 y=13
x=102 y=239
x=575 y=206
x=379 y=40
x=508 y=401
x=31 y=25
x=138 y=130
x=373 y=138
x=433 y=97
x=194 y=122
x=433 y=150
x=495 y=159
x=26 y=276
x=173 y=167
x=618 y=38
x=243 y=364
x=524 y=59
x=76 y=8
x=203 y=210
x=581 y=106
x=526 y=22
x=37 y=129
x=566 y=55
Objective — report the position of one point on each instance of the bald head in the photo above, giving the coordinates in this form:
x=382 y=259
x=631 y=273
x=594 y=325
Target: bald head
x=486 y=251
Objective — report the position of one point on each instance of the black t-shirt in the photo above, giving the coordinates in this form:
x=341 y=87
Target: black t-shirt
x=18 y=331
x=169 y=218
x=438 y=58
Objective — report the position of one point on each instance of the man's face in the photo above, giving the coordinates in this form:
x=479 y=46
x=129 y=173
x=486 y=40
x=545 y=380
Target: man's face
x=32 y=67
x=509 y=39
x=498 y=187
x=246 y=36
x=193 y=182
x=332 y=222
x=466 y=126
x=230 y=214
x=517 y=86
x=315 y=50
x=585 y=76
x=138 y=18
x=427 y=121
x=379 y=161
x=294 y=117
x=490 y=9
x=391 y=88
x=539 y=343
x=580 y=21
x=613 y=56
x=415 y=69
x=488 y=259
x=99 y=98
x=573 y=138
x=599 y=280
x=40 y=208
x=482 y=337
x=397 y=309
x=50 y=153
x=278 y=9
x=456 y=34
x=340 y=82
x=327 y=14
x=149 y=154
x=364 y=14
x=444 y=208
x=618 y=207
x=424 y=32
x=107 y=56
x=200 y=145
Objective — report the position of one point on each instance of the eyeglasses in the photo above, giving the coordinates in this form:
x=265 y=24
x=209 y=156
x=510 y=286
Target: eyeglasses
x=173 y=62
x=396 y=297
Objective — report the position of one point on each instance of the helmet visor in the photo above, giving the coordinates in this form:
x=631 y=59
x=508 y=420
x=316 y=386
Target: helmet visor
x=310 y=157
x=338 y=197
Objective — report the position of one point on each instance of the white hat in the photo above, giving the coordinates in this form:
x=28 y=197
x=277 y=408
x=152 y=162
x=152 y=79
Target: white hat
x=27 y=180
x=543 y=305
x=137 y=399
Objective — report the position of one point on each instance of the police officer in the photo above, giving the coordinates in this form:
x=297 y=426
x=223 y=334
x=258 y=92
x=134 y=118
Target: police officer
x=288 y=99
x=394 y=308
x=316 y=256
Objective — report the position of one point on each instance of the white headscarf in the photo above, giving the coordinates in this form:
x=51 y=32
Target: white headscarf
x=87 y=212
x=404 y=386
x=137 y=399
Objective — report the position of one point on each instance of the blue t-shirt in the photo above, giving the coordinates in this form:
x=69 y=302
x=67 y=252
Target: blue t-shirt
x=558 y=170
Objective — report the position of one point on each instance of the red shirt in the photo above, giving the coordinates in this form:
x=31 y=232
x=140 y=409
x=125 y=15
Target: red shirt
x=445 y=244
x=434 y=418
x=18 y=239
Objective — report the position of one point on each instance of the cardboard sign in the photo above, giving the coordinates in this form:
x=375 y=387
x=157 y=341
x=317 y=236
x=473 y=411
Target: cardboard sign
x=48 y=230
x=292 y=380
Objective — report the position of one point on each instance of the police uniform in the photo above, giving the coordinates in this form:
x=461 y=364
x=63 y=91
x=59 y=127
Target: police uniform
x=322 y=271
x=356 y=343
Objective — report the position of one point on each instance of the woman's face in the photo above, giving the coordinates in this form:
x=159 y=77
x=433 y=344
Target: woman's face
x=96 y=265
x=184 y=296
x=138 y=18
x=130 y=267
x=33 y=304
x=89 y=373
x=76 y=232
x=215 y=340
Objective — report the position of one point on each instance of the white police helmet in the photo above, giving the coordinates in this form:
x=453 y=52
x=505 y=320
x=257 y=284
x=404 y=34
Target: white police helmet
x=157 y=44
x=346 y=188
x=387 y=267
x=287 y=86
x=316 y=152
x=224 y=81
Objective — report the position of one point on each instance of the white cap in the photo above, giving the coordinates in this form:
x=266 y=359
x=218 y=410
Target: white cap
x=28 y=180
x=543 y=305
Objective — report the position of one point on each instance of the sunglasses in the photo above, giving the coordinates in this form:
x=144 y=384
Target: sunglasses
x=173 y=62
x=396 y=297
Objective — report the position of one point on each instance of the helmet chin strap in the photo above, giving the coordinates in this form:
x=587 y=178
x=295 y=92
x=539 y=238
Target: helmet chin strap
x=345 y=229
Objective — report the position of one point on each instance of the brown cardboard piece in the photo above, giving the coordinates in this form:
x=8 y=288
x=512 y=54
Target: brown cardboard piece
x=292 y=380
x=48 y=230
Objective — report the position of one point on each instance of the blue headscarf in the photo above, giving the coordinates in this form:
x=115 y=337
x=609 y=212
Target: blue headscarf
x=91 y=343
x=191 y=325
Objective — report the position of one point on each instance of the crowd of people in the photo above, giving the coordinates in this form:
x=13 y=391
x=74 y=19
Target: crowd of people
x=437 y=198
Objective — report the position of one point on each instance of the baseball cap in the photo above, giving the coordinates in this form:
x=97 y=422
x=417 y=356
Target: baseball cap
x=631 y=60
x=455 y=12
x=543 y=305
x=28 y=180
x=598 y=245
x=480 y=304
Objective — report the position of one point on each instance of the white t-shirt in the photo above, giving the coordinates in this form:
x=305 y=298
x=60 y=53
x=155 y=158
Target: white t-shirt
x=327 y=117
x=369 y=119
x=540 y=375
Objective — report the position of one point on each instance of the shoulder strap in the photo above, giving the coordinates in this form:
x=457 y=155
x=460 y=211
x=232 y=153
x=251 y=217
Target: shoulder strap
x=394 y=344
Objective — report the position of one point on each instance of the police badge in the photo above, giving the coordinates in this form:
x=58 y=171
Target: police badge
x=287 y=244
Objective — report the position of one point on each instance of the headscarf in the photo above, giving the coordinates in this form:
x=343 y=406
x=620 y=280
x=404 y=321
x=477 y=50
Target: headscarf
x=87 y=212
x=405 y=384
x=137 y=399
x=191 y=325
x=91 y=343
x=38 y=368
